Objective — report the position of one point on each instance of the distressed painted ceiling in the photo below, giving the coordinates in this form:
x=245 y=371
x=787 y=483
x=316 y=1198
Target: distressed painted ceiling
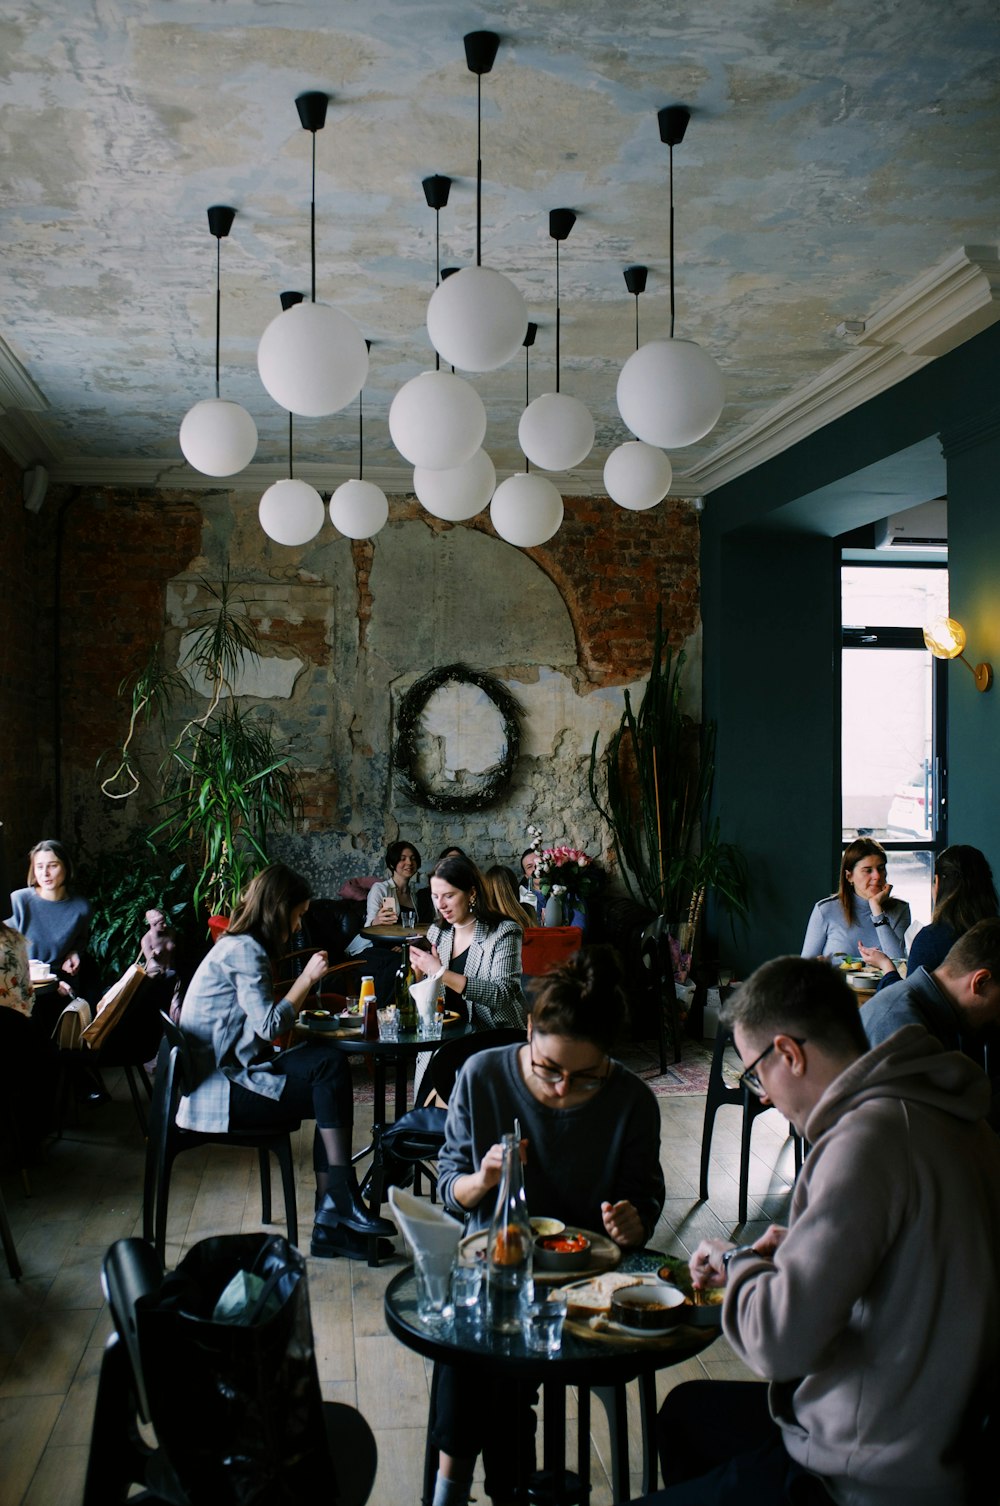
x=838 y=150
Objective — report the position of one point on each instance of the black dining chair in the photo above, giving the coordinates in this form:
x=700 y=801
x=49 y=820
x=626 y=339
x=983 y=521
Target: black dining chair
x=719 y=1094
x=167 y=1140
x=412 y=1144
x=658 y=966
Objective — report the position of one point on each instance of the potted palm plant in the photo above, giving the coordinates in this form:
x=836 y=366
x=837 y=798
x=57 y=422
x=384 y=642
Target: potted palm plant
x=652 y=785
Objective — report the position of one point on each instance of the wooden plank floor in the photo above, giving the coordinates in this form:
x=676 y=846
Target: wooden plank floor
x=86 y=1192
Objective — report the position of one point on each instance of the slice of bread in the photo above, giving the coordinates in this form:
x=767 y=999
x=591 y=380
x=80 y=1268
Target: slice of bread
x=586 y=1299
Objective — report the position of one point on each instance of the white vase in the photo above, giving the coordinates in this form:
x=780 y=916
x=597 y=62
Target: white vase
x=552 y=915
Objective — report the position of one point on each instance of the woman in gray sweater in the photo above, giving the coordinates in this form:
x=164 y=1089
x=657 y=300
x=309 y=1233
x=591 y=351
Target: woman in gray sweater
x=591 y=1152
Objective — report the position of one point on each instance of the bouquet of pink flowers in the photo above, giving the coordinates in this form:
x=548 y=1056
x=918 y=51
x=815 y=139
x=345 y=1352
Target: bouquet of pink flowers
x=566 y=870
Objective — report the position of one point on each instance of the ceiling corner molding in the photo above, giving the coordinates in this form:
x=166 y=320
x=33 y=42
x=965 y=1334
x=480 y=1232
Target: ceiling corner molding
x=945 y=307
x=27 y=441
x=939 y=310
x=17 y=390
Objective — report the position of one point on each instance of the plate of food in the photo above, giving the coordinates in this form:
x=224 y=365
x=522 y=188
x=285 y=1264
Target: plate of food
x=589 y=1305
x=325 y=1019
x=602 y=1255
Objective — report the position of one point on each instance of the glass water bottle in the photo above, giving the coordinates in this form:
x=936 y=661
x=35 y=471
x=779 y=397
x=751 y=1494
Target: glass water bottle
x=509 y=1281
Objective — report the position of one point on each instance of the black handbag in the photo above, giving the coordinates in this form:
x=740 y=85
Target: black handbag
x=414 y=1137
x=236 y=1406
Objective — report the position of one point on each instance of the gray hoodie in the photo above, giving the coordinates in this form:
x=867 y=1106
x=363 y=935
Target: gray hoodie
x=880 y=1313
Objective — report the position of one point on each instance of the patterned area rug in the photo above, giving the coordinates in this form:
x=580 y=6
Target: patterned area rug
x=689 y=1075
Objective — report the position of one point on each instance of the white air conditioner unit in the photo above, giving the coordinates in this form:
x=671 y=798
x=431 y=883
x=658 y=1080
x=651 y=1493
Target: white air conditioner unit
x=924 y=527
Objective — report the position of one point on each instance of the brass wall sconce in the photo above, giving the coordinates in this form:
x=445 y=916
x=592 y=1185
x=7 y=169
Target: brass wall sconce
x=946 y=639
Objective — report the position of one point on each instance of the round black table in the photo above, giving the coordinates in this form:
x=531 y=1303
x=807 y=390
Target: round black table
x=382 y=1054
x=597 y=1365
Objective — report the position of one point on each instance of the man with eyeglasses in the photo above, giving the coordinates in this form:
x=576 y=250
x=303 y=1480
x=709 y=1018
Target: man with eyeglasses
x=876 y=1314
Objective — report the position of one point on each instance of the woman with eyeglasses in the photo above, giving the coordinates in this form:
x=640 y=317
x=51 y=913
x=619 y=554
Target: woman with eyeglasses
x=591 y=1152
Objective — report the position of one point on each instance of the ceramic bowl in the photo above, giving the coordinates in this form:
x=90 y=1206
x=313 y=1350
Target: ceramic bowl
x=548 y=1258
x=647 y=1308
x=547 y=1225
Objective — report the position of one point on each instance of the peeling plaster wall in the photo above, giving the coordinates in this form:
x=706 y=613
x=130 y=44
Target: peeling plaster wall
x=348 y=627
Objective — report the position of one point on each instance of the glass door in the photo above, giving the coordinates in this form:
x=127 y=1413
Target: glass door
x=893 y=720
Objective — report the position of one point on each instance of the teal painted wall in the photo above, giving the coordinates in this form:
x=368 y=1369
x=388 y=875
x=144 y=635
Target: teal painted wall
x=772 y=645
x=973 y=460
x=771 y=613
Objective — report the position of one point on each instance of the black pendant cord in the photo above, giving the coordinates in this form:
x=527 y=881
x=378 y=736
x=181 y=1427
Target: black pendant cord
x=437 y=271
x=558 y=318
x=637 y=321
x=291 y=473
x=671 y=246
x=527 y=387
x=479 y=169
x=218 y=308
x=312 y=225
x=361 y=436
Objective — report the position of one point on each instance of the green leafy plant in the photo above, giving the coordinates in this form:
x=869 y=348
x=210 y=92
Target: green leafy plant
x=230 y=786
x=225 y=783
x=122 y=887
x=652 y=785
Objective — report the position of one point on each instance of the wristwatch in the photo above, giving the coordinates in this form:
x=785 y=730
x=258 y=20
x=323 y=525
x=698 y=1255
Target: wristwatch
x=727 y=1255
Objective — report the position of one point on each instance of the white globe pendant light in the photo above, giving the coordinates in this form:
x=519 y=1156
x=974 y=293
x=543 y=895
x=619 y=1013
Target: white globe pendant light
x=291 y=512
x=312 y=359
x=637 y=475
x=670 y=392
x=526 y=510
x=218 y=437
x=358 y=509
x=437 y=420
x=556 y=431
x=458 y=494
x=477 y=319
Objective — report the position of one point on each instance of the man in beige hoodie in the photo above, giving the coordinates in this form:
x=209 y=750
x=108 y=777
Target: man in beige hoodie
x=875 y=1315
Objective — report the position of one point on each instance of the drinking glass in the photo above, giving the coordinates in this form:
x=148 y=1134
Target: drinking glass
x=388 y=1023
x=543 y=1324
x=433 y=1273
x=466 y=1285
x=408 y=918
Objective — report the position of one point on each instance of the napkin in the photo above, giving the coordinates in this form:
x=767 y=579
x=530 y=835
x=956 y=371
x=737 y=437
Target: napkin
x=425 y=995
x=431 y=1233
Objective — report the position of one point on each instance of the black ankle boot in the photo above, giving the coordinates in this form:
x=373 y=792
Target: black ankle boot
x=329 y=1244
x=343 y=1205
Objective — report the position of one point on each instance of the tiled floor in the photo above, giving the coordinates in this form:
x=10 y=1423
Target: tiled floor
x=87 y=1192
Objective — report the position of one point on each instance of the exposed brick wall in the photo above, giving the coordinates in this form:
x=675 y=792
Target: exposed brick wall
x=27 y=806
x=120 y=550
x=123 y=549
x=613 y=568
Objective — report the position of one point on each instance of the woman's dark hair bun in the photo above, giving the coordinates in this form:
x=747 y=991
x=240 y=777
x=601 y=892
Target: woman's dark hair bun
x=583 y=998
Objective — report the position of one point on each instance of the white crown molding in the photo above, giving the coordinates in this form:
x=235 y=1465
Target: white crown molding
x=395 y=481
x=938 y=311
x=28 y=440
x=17 y=390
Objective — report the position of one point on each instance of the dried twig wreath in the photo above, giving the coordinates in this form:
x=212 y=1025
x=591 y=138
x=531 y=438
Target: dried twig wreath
x=493 y=782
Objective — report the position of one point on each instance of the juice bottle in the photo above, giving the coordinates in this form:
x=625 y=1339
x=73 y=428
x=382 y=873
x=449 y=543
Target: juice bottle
x=369 y=1014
